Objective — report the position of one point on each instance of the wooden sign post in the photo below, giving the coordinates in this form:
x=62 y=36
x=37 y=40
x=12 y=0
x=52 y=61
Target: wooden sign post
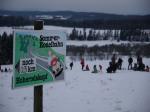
x=38 y=90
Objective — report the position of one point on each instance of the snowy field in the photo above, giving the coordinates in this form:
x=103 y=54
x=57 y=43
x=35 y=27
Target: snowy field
x=102 y=43
x=46 y=27
x=124 y=91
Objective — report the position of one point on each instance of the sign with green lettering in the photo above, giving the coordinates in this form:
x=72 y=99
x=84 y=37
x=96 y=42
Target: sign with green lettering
x=38 y=57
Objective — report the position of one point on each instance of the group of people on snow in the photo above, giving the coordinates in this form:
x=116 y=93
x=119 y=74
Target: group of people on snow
x=138 y=66
x=115 y=64
x=85 y=67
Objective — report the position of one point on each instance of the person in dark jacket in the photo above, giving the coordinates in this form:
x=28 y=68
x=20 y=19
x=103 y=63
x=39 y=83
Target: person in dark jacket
x=113 y=59
x=141 y=65
x=6 y=70
x=71 y=65
x=139 y=60
x=130 y=61
x=120 y=63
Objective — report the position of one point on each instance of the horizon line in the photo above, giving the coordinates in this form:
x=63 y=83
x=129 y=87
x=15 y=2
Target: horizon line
x=75 y=12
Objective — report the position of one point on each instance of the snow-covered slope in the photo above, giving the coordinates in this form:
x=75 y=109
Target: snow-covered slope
x=128 y=91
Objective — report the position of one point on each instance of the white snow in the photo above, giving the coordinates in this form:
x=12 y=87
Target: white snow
x=128 y=91
x=44 y=17
x=50 y=27
x=10 y=29
x=101 y=43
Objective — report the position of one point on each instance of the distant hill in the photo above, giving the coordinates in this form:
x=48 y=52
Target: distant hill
x=75 y=19
x=78 y=16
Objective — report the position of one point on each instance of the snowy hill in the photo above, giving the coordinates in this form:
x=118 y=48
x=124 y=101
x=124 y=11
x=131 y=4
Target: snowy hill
x=127 y=91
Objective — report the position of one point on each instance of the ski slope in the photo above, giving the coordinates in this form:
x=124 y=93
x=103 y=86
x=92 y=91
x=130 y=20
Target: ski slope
x=124 y=91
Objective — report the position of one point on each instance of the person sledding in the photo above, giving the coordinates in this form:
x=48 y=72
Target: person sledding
x=147 y=69
x=135 y=68
x=112 y=68
x=95 y=69
x=82 y=63
x=87 y=68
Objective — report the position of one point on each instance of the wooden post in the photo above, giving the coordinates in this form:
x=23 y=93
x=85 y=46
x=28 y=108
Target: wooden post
x=38 y=90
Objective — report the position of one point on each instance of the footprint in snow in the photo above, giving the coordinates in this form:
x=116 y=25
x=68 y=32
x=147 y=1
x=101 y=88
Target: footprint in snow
x=88 y=102
x=1 y=85
x=67 y=83
x=10 y=98
x=103 y=82
x=24 y=98
x=71 y=87
x=118 y=108
x=119 y=101
x=127 y=111
x=132 y=90
x=75 y=79
x=2 y=105
x=51 y=87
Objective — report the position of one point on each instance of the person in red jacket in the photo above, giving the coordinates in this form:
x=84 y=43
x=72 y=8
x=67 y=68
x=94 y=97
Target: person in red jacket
x=100 y=67
x=82 y=63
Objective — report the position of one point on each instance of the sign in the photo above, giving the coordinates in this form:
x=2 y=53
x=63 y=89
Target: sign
x=38 y=57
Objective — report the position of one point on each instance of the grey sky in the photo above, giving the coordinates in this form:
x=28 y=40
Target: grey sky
x=108 y=6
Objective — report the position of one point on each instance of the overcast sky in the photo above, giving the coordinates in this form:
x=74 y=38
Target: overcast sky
x=108 y=6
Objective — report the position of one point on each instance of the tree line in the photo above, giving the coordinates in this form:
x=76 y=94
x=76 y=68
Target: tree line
x=123 y=35
x=106 y=50
x=131 y=23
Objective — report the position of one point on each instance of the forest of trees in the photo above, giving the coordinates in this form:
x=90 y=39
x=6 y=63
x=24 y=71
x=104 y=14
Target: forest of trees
x=124 y=35
x=108 y=50
x=6 y=48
